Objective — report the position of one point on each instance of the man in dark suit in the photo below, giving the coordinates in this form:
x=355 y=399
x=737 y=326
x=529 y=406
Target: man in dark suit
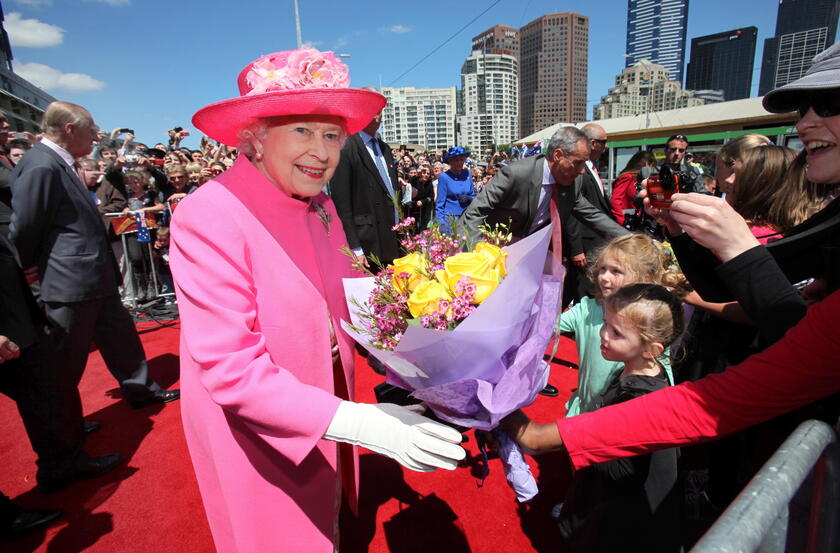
x=364 y=189
x=63 y=246
x=520 y=194
x=5 y=171
x=30 y=375
x=583 y=241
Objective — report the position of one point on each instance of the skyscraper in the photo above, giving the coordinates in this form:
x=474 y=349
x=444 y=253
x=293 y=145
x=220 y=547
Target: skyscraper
x=498 y=39
x=553 y=66
x=656 y=31
x=723 y=61
x=489 y=95
x=804 y=28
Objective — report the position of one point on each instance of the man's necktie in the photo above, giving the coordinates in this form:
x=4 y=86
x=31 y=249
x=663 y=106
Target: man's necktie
x=557 y=267
x=383 y=171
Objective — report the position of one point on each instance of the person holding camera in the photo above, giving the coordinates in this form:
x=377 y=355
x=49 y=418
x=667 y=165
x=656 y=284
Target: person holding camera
x=688 y=178
x=176 y=135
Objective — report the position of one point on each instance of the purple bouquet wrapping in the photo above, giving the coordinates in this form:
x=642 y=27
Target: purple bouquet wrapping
x=492 y=363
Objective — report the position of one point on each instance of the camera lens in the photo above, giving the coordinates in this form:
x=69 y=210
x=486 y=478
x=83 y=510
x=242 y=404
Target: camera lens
x=666 y=178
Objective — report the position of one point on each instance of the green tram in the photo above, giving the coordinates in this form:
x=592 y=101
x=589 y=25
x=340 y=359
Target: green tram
x=707 y=128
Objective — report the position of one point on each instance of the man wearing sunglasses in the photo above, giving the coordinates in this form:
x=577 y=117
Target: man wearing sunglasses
x=675 y=149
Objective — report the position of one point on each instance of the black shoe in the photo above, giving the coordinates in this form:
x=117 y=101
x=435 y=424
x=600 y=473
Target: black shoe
x=159 y=396
x=549 y=391
x=91 y=427
x=27 y=522
x=93 y=467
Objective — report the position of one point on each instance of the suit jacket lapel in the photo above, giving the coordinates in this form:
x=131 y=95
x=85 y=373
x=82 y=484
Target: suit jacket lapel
x=602 y=195
x=367 y=161
x=75 y=181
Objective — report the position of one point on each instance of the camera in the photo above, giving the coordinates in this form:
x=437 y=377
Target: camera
x=663 y=185
x=126 y=131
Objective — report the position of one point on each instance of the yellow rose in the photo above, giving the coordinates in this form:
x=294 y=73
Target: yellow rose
x=414 y=264
x=477 y=267
x=426 y=298
x=495 y=254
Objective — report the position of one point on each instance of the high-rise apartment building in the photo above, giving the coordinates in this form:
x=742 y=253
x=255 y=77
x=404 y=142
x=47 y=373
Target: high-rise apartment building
x=656 y=31
x=723 y=61
x=498 y=39
x=804 y=28
x=423 y=116
x=489 y=100
x=553 y=67
x=644 y=87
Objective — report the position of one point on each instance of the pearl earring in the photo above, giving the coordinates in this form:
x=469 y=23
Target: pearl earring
x=258 y=157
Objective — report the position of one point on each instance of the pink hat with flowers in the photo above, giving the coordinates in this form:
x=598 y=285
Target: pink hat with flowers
x=290 y=82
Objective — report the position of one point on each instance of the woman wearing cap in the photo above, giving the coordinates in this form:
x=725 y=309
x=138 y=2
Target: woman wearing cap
x=266 y=370
x=454 y=189
x=800 y=368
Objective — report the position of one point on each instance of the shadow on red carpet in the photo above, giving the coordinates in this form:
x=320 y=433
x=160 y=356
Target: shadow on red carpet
x=150 y=503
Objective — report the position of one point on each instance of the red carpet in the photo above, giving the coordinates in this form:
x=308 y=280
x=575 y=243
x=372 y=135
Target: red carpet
x=151 y=503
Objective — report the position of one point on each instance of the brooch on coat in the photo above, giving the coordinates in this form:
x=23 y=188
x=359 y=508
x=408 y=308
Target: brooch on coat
x=322 y=215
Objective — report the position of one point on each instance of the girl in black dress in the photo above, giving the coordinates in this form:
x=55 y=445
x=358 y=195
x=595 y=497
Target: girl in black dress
x=632 y=504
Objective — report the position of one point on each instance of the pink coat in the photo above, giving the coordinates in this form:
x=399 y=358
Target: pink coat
x=258 y=278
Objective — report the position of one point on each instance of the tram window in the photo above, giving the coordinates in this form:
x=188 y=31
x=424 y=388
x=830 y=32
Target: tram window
x=794 y=143
x=622 y=156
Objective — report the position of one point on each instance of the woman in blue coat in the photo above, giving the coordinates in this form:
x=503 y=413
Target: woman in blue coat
x=454 y=190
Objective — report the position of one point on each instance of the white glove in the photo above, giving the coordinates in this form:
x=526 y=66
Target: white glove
x=415 y=441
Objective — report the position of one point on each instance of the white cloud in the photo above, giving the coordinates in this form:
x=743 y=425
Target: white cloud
x=34 y=3
x=112 y=2
x=32 y=33
x=49 y=78
x=312 y=43
x=399 y=29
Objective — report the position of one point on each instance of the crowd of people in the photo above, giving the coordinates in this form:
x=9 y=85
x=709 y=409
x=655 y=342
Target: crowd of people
x=677 y=303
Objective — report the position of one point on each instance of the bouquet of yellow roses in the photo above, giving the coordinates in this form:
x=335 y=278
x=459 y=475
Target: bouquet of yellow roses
x=465 y=332
x=434 y=285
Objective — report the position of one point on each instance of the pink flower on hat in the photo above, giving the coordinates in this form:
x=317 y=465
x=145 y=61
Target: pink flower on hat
x=303 y=68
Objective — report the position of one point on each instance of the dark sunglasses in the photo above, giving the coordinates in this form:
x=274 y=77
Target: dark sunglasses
x=601 y=141
x=825 y=104
x=682 y=137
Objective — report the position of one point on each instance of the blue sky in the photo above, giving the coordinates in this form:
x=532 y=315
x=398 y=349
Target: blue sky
x=149 y=64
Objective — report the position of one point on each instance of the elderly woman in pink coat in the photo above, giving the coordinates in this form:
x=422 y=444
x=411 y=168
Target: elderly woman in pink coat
x=266 y=371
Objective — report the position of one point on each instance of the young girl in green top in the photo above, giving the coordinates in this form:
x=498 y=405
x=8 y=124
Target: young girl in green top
x=630 y=259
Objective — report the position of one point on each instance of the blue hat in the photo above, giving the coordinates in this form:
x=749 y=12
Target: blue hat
x=455 y=151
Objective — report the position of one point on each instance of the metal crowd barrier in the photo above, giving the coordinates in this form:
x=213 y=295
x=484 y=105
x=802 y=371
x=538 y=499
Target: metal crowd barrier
x=130 y=268
x=758 y=519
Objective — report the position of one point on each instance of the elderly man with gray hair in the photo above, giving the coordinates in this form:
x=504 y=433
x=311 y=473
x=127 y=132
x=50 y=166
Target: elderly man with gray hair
x=520 y=194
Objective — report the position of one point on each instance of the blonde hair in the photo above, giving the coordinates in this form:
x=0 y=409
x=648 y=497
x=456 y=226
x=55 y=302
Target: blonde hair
x=643 y=259
x=654 y=312
x=814 y=196
x=734 y=149
x=767 y=191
